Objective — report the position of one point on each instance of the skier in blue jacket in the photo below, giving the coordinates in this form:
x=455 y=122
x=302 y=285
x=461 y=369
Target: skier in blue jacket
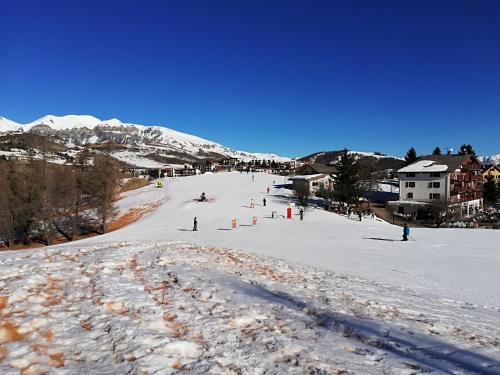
x=406 y=232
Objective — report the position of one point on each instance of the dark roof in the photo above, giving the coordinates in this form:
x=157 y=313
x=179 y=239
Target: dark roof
x=320 y=168
x=452 y=161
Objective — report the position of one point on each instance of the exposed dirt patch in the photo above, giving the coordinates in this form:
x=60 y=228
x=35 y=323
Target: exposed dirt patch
x=9 y=332
x=131 y=216
x=134 y=183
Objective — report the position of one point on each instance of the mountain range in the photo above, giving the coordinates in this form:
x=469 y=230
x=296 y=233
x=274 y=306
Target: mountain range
x=139 y=145
x=153 y=146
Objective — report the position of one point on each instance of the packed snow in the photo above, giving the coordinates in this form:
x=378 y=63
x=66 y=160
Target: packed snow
x=326 y=295
x=425 y=166
x=375 y=155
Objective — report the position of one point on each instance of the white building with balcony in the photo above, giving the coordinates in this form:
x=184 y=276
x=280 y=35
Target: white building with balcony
x=453 y=180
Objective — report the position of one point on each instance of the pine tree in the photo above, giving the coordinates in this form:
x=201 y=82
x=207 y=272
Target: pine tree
x=437 y=151
x=466 y=150
x=347 y=187
x=411 y=156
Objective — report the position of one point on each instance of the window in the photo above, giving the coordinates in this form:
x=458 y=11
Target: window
x=435 y=174
x=315 y=184
x=434 y=196
x=410 y=175
x=434 y=185
x=409 y=195
x=410 y=184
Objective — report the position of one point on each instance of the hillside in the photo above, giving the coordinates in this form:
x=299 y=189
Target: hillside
x=145 y=145
x=375 y=161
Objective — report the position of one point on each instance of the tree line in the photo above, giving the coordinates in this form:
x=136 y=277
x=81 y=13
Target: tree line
x=39 y=199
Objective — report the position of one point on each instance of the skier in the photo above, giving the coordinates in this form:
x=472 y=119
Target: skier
x=359 y=215
x=203 y=198
x=301 y=213
x=252 y=204
x=264 y=201
x=406 y=232
x=268 y=190
x=195 y=224
x=253 y=178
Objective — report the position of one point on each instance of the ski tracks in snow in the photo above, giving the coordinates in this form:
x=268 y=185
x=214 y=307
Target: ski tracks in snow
x=164 y=307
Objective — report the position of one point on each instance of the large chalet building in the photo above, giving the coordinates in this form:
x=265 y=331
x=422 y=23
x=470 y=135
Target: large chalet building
x=453 y=180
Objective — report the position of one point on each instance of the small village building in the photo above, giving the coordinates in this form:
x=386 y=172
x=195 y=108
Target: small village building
x=313 y=182
x=453 y=180
x=491 y=171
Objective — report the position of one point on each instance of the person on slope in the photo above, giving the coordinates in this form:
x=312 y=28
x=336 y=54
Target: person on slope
x=195 y=224
x=301 y=213
x=264 y=201
x=203 y=198
x=268 y=190
x=406 y=232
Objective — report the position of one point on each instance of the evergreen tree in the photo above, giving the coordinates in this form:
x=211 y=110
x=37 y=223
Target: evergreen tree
x=347 y=187
x=411 y=156
x=466 y=150
x=437 y=151
x=490 y=190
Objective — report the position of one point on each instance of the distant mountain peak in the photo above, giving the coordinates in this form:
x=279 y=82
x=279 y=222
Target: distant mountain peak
x=157 y=142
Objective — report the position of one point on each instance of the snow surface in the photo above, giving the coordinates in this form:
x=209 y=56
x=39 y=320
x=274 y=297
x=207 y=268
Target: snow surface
x=424 y=166
x=7 y=125
x=326 y=295
x=373 y=155
x=137 y=160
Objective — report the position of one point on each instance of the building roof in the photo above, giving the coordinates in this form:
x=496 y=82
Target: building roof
x=436 y=163
x=319 y=168
x=487 y=168
x=308 y=177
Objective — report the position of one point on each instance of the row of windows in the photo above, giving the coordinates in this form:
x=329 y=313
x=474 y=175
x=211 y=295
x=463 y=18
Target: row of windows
x=430 y=185
x=433 y=174
x=431 y=196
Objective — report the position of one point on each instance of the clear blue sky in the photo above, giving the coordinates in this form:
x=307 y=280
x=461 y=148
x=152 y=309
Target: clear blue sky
x=290 y=77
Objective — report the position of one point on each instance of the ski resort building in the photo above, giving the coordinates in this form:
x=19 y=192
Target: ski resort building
x=313 y=182
x=454 y=181
x=316 y=177
x=491 y=171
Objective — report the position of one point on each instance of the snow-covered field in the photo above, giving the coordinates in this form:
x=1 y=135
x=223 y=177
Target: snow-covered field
x=326 y=295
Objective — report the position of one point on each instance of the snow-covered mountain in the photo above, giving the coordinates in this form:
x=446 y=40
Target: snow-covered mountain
x=80 y=130
x=488 y=160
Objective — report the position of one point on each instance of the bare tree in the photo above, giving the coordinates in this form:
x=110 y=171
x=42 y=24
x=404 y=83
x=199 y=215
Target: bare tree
x=6 y=219
x=302 y=193
x=442 y=213
x=104 y=182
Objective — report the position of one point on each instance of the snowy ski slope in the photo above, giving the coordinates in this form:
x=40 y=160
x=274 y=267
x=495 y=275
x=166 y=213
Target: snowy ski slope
x=328 y=295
